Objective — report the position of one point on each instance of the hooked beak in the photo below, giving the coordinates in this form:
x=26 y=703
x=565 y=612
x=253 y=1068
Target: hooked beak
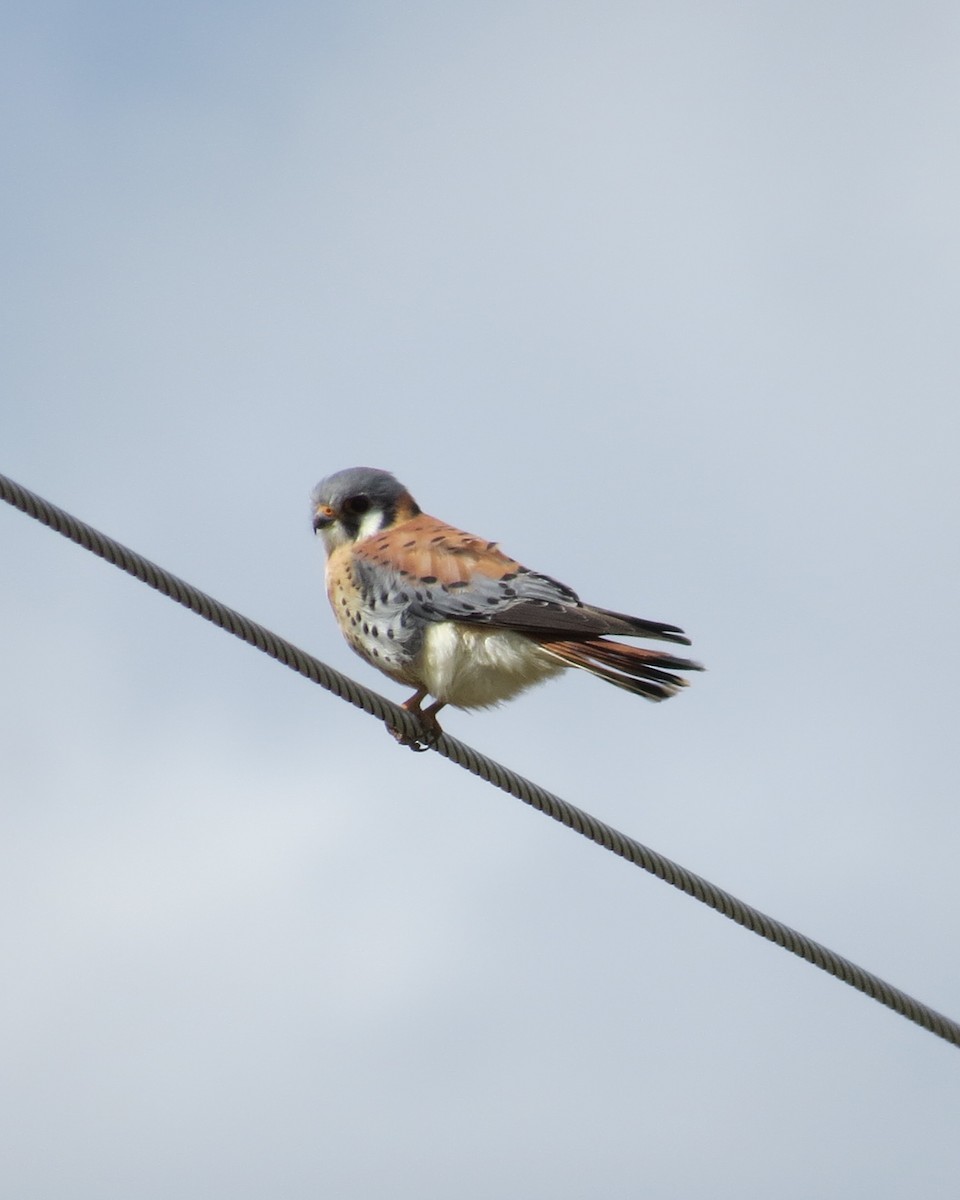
x=323 y=517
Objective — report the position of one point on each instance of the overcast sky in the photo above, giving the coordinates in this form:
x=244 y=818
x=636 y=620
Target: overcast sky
x=662 y=296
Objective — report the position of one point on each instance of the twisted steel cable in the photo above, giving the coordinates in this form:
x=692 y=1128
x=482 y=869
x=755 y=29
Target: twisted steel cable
x=478 y=764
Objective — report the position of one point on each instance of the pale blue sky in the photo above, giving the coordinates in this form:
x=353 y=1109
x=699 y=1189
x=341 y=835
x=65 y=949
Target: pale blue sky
x=662 y=296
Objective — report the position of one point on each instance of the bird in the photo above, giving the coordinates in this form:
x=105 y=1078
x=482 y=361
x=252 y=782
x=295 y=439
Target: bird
x=453 y=616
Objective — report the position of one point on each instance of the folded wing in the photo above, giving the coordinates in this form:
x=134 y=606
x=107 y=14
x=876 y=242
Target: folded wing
x=445 y=574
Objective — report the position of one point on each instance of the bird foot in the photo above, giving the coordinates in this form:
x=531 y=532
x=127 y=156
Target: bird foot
x=427 y=717
x=419 y=745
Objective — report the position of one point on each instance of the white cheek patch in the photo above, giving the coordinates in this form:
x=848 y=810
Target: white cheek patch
x=371 y=523
x=333 y=536
x=336 y=535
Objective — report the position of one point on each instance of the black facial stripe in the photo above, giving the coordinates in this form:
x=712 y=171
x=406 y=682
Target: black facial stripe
x=352 y=521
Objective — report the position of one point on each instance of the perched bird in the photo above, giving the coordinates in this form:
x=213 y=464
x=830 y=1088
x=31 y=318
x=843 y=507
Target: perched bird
x=454 y=617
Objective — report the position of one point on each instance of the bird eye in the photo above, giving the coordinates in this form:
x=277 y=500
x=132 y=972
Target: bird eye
x=358 y=505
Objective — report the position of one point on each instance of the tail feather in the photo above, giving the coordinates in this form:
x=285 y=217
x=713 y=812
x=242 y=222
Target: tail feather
x=644 y=672
x=641 y=627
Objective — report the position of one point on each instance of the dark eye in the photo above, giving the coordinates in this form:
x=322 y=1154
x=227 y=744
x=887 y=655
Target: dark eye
x=357 y=505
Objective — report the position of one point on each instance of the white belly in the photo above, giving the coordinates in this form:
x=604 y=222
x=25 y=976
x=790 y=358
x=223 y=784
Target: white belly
x=472 y=667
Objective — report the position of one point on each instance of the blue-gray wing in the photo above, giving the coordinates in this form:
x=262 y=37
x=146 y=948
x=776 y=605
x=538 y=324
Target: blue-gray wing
x=443 y=574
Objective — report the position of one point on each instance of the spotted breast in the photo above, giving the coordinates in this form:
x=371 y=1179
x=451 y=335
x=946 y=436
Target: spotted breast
x=374 y=616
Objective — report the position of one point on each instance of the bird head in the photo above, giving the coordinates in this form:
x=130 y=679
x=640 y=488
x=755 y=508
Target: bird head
x=356 y=503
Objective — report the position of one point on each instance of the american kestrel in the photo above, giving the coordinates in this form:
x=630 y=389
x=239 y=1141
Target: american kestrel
x=452 y=616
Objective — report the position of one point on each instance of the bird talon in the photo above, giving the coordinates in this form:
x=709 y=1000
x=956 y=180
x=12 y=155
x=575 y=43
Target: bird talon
x=418 y=745
x=430 y=730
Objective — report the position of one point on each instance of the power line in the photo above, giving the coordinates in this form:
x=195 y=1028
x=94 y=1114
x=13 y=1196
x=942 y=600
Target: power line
x=478 y=764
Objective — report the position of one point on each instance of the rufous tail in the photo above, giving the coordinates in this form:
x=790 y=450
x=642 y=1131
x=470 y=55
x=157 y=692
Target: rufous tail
x=647 y=673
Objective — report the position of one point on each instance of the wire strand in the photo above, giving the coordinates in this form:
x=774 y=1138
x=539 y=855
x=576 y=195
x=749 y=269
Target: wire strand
x=478 y=764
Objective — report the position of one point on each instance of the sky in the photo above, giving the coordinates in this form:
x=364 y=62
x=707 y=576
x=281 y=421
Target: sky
x=664 y=298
